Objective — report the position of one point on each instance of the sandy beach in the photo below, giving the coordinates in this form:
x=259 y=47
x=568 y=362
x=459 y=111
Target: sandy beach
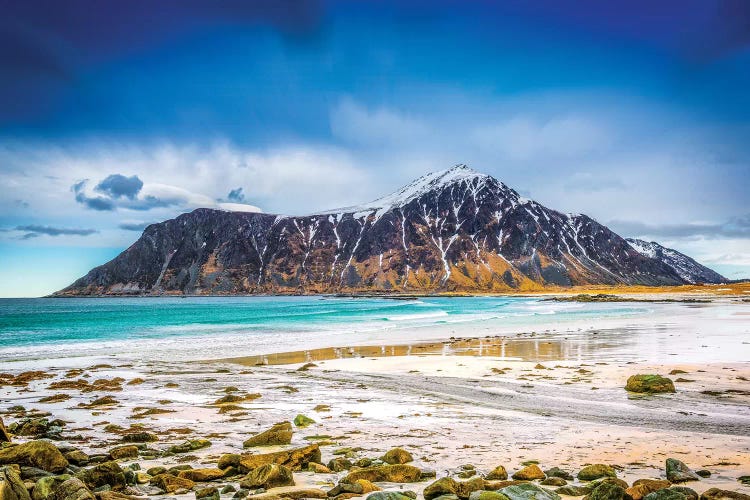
x=460 y=407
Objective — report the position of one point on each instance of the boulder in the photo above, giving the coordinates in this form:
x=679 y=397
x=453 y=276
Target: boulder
x=318 y=468
x=207 y=494
x=295 y=459
x=449 y=486
x=596 y=471
x=649 y=384
x=189 y=445
x=4 y=435
x=558 y=472
x=40 y=454
x=45 y=486
x=303 y=421
x=554 y=481
x=718 y=494
x=388 y=495
x=400 y=473
x=140 y=437
x=678 y=472
x=72 y=489
x=107 y=473
x=689 y=493
x=529 y=473
x=268 y=476
x=170 y=483
x=665 y=494
x=129 y=451
x=201 y=475
x=76 y=457
x=279 y=434
x=487 y=495
x=11 y=485
x=608 y=491
x=397 y=456
x=643 y=487
x=497 y=474
x=573 y=491
x=340 y=464
x=528 y=491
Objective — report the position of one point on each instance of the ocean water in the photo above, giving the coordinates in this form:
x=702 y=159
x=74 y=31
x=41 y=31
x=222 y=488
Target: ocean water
x=171 y=328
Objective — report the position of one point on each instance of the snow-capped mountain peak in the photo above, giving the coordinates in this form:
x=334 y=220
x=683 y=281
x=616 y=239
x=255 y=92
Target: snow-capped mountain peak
x=686 y=268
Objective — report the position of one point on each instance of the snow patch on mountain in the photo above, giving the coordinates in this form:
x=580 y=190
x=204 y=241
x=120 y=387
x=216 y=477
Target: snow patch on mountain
x=685 y=267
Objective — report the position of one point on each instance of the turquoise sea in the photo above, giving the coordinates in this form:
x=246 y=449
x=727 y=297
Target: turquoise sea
x=172 y=328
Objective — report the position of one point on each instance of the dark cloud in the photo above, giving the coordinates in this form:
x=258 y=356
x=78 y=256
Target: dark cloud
x=34 y=231
x=46 y=44
x=117 y=186
x=93 y=202
x=737 y=227
x=236 y=195
x=134 y=226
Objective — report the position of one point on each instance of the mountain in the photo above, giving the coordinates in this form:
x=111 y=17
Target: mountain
x=454 y=230
x=688 y=269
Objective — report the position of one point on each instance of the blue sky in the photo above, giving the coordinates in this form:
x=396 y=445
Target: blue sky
x=116 y=115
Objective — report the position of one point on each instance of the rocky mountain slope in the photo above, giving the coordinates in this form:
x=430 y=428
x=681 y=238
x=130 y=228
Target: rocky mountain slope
x=688 y=269
x=454 y=230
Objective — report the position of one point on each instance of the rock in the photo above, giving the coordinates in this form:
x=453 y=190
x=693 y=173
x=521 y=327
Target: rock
x=268 y=476
x=303 y=421
x=295 y=459
x=400 y=473
x=487 y=495
x=140 y=437
x=717 y=494
x=207 y=494
x=611 y=480
x=129 y=451
x=33 y=474
x=449 y=486
x=318 y=468
x=596 y=471
x=189 y=445
x=170 y=483
x=228 y=489
x=497 y=474
x=11 y=485
x=280 y=433
x=72 y=489
x=665 y=494
x=528 y=491
x=4 y=435
x=107 y=473
x=339 y=464
x=397 y=456
x=678 y=472
x=40 y=454
x=554 y=481
x=529 y=473
x=229 y=460
x=649 y=384
x=45 y=486
x=608 y=491
x=155 y=471
x=704 y=473
x=76 y=457
x=388 y=495
x=573 y=491
x=643 y=487
x=201 y=475
x=689 y=493
x=558 y=472
x=241 y=493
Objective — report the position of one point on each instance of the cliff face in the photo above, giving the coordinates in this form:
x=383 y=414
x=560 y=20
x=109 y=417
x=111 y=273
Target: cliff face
x=455 y=230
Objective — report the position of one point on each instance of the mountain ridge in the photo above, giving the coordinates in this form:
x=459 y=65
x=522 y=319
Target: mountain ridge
x=452 y=230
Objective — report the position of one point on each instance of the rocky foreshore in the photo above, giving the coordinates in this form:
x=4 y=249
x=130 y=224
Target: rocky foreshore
x=126 y=432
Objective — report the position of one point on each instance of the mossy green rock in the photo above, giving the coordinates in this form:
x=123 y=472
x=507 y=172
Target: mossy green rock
x=279 y=434
x=400 y=473
x=45 y=486
x=388 y=495
x=40 y=454
x=487 y=495
x=689 y=493
x=72 y=489
x=268 y=476
x=207 y=494
x=608 y=491
x=649 y=384
x=666 y=494
x=303 y=421
x=573 y=491
x=397 y=456
x=528 y=491
x=678 y=472
x=11 y=485
x=596 y=471
x=190 y=445
x=107 y=473
x=497 y=474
